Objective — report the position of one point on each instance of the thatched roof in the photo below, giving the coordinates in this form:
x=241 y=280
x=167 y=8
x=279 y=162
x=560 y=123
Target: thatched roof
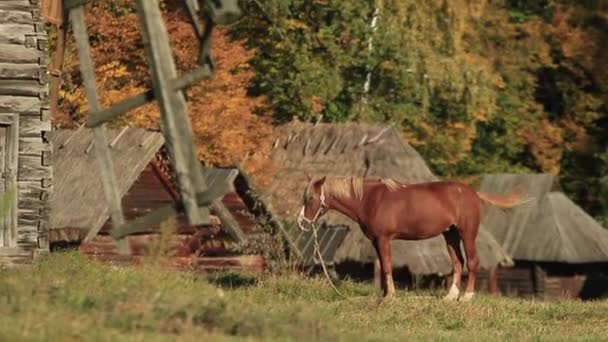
x=78 y=200
x=364 y=151
x=550 y=229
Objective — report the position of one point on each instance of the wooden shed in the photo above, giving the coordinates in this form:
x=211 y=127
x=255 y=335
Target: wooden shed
x=25 y=163
x=555 y=244
x=144 y=184
x=364 y=151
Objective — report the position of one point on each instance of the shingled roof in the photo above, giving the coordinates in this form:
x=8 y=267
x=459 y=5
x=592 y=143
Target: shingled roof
x=360 y=150
x=78 y=201
x=550 y=229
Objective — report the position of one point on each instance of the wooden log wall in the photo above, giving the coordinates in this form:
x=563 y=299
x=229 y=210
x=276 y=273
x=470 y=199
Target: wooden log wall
x=23 y=94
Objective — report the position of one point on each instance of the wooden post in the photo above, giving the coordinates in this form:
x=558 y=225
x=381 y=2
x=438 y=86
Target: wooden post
x=175 y=122
x=493 y=281
x=102 y=151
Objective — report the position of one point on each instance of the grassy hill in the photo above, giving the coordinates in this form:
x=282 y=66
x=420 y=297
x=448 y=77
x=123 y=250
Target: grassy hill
x=65 y=297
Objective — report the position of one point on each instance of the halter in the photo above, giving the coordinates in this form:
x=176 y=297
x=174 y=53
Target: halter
x=312 y=221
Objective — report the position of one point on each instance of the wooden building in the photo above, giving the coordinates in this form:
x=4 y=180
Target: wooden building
x=144 y=185
x=25 y=165
x=555 y=244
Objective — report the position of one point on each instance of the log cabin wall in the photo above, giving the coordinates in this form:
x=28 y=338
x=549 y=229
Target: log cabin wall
x=24 y=121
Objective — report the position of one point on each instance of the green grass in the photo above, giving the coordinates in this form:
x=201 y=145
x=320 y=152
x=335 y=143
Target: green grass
x=65 y=297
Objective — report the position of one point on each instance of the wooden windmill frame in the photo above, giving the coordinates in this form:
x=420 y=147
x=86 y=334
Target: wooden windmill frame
x=167 y=89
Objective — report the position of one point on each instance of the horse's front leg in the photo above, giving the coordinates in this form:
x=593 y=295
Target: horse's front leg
x=383 y=249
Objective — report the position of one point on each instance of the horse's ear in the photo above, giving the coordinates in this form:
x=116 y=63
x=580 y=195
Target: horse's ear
x=308 y=178
x=321 y=181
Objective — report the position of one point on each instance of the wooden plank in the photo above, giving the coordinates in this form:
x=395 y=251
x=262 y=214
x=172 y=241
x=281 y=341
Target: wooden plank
x=20 y=104
x=33 y=146
x=33 y=127
x=309 y=253
x=16 y=7
x=12 y=71
x=47 y=182
x=15 y=17
x=102 y=151
x=228 y=222
x=144 y=222
x=174 y=111
x=27 y=236
x=15 y=251
x=11 y=53
x=12 y=160
x=335 y=243
x=4 y=226
x=31 y=168
x=22 y=88
x=27 y=222
x=8 y=119
x=325 y=244
x=15 y=33
x=43 y=233
x=29 y=213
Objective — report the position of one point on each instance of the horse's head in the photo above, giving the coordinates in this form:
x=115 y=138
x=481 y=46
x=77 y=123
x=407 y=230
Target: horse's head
x=314 y=205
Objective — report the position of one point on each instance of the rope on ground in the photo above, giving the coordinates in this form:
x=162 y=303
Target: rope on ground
x=318 y=252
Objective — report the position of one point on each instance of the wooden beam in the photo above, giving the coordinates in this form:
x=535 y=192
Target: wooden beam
x=15 y=251
x=228 y=221
x=102 y=151
x=142 y=224
x=493 y=281
x=175 y=122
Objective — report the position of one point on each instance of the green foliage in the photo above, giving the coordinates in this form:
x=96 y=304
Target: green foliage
x=474 y=90
x=523 y=10
x=312 y=52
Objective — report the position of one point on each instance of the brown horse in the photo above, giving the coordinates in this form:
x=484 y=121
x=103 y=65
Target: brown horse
x=387 y=210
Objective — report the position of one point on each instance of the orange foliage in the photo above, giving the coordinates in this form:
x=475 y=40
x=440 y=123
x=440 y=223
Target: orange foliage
x=545 y=142
x=226 y=122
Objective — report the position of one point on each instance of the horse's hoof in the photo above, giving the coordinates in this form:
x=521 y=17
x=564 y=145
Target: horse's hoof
x=467 y=296
x=452 y=296
x=388 y=297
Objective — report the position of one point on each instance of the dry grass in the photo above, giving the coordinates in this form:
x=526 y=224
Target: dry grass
x=68 y=298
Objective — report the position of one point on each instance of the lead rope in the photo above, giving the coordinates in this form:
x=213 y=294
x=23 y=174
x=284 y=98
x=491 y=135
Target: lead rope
x=318 y=252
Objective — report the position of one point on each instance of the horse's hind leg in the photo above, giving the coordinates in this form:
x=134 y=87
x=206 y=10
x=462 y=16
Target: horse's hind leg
x=472 y=265
x=452 y=239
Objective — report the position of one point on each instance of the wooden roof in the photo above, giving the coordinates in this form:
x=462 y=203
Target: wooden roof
x=78 y=200
x=550 y=229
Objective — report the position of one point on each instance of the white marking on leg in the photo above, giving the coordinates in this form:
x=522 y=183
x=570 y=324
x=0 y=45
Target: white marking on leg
x=453 y=293
x=467 y=296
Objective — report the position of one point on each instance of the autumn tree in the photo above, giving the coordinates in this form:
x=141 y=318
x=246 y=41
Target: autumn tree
x=227 y=123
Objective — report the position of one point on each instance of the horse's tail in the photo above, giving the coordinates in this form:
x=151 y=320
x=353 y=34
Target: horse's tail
x=513 y=199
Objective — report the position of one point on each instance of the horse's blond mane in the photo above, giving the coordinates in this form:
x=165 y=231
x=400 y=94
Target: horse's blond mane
x=352 y=187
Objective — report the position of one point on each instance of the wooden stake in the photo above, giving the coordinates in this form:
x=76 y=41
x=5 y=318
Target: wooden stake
x=74 y=133
x=106 y=166
x=115 y=140
x=175 y=122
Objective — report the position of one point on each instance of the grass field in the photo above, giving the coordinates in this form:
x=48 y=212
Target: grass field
x=65 y=297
